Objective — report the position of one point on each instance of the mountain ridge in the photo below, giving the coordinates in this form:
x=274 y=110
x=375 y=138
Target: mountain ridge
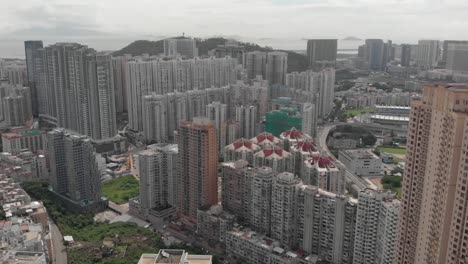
x=296 y=61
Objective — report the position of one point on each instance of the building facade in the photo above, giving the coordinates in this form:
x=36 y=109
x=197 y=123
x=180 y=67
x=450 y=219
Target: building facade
x=376 y=227
x=75 y=168
x=198 y=158
x=322 y=52
x=432 y=223
x=31 y=48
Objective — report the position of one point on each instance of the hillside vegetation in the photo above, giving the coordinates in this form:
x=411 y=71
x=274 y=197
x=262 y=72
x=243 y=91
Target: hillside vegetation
x=296 y=61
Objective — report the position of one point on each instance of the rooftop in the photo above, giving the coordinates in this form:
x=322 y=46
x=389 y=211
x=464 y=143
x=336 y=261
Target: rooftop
x=243 y=144
x=293 y=134
x=273 y=152
x=360 y=153
x=392 y=107
x=174 y=256
x=390 y=118
x=265 y=137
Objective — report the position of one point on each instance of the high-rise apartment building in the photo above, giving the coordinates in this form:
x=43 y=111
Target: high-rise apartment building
x=255 y=64
x=155 y=118
x=102 y=112
x=322 y=52
x=184 y=47
x=322 y=171
x=284 y=216
x=233 y=189
x=75 y=168
x=31 y=48
x=231 y=49
x=161 y=114
x=217 y=112
x=198 y=158
x=77 y=90
x=314 y=87
x=246 y=116
x=309 y=119
x=377 y=54
x=376 y=227
x=157 y=168
x=446 y=48
x=259 y=197
x=119 y=67
x=428 y=53
x=241 y=149
x=15 y=104
x=272 y=66
x=197 y=77
x=276 y=67
x=326 y=224
x=457 y=57
x=432 y=215
x=405 y=55
x=274 y=157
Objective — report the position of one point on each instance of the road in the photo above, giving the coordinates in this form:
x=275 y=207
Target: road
x=58 y=249
x=323 y=132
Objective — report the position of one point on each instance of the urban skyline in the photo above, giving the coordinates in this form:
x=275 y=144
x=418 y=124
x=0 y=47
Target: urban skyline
x=231 y=150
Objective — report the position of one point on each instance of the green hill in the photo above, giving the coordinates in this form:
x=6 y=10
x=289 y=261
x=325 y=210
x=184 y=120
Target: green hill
x=296 y=61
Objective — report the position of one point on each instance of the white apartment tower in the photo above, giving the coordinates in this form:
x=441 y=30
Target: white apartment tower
x=428 y=53
x=261 y=182
x=157 y=168
x=155 y=118
x=376 y=227
x=283 y=211
x=247 y=118
x=325 y=224
x=309 y=119
x=217 y=112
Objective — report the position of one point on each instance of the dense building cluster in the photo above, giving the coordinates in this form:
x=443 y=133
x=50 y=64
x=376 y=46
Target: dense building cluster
x=24 y=231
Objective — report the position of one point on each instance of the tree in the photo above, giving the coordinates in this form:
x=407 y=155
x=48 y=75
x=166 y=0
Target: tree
x=2 y=213
x=369 y=140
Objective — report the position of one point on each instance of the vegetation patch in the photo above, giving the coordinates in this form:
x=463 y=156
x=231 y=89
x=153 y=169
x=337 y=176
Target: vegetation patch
x=89 y=235
x=392 y=183
x=361 y=135
x=100 y=243
x=121 y=189
x=399 y=151
x=356 y=112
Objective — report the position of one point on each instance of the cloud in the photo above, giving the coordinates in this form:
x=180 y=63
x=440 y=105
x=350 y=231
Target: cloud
x=400 y=20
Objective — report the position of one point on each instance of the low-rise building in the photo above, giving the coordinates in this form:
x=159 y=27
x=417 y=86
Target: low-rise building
x=22 y=257
x=174 y=256
x=362 y=162
x=342 y=143
x=252 y=247
x=386 y=158
x=213 y=223
x=23 y=233
x=24 y=166
x=33 y=140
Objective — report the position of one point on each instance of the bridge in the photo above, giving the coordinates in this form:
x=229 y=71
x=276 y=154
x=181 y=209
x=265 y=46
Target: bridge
x=357 y=183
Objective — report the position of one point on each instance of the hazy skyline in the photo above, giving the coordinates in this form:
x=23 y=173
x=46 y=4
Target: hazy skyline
x=399 y=20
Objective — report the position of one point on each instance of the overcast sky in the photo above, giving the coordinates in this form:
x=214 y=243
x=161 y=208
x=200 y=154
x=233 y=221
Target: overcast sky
x=399 y=20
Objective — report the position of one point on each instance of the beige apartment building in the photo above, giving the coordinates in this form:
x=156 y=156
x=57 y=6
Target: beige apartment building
x=433 y=218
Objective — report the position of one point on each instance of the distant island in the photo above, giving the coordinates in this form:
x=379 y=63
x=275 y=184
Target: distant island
x=351 y=39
